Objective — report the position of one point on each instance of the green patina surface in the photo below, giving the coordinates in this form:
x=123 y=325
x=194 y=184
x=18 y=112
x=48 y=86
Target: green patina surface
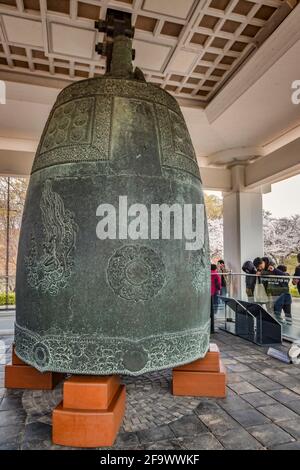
x=91 y=306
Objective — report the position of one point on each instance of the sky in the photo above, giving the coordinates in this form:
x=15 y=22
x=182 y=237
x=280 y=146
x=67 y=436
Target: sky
x=283 y=200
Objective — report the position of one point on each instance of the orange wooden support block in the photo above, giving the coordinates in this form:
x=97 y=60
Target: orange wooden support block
x=204 y=377
x=90 y=392
x=21 y=375
x=16 y=361
x=200 y=384
x=209 y=363
x=86 y=427
x=24 y=376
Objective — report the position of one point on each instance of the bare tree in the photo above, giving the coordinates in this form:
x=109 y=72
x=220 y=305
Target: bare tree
x=14 y=190
x=281 y=236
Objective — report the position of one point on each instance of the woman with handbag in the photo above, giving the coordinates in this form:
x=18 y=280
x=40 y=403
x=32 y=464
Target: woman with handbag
x=216 y=286
x=254 y=269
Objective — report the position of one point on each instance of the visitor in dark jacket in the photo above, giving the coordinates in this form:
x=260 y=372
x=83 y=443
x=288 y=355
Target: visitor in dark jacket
x=254 y=269
x=296 y=282
x=284 y=298
x=271 y=283
x=267 y=262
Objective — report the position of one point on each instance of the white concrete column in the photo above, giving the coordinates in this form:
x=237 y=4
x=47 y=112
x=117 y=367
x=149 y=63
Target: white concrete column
x=243 y=228
x=243 y=225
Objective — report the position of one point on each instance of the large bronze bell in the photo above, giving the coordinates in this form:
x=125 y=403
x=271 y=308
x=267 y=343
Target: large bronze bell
x=92 y=306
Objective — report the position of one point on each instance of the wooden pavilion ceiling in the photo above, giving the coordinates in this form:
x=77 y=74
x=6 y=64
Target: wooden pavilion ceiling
x=188 y=47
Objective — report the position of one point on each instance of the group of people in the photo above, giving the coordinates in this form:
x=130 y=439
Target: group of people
x=265 y=284
x=270 y=285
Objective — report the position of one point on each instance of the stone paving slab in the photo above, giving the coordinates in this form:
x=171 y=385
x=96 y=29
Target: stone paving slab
x=174 y=444
x=284 y=395
x=265 y=384
x=296 y=389
x=238 y=368
x=292 y=426
x=234 y=377
x=253 y=376
x=278 y=412
x=294 y=406
x=288 y=446
x=10 y=436
x=206 y=441
x=189 y=425
x=218 y=421
x=11 y=403
x=233 y=402
x=292 y=370
x=243 y=387
x=239 y=440
x=270 y=435
x=288 y=381
x=159 y=433
x=9 y=417
x=259 y=399
x=249 y=417
x=128 y=440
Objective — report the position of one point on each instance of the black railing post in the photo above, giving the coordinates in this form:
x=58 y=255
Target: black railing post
x=7 y=241
x=212 y=316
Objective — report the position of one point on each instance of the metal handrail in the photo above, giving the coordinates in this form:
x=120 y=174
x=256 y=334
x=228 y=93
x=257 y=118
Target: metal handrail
x=229 y=273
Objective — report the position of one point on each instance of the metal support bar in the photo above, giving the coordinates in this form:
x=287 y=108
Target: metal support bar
x=116 y=24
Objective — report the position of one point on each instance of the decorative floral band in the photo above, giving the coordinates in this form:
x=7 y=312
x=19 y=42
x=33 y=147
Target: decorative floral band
x=100 y=355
